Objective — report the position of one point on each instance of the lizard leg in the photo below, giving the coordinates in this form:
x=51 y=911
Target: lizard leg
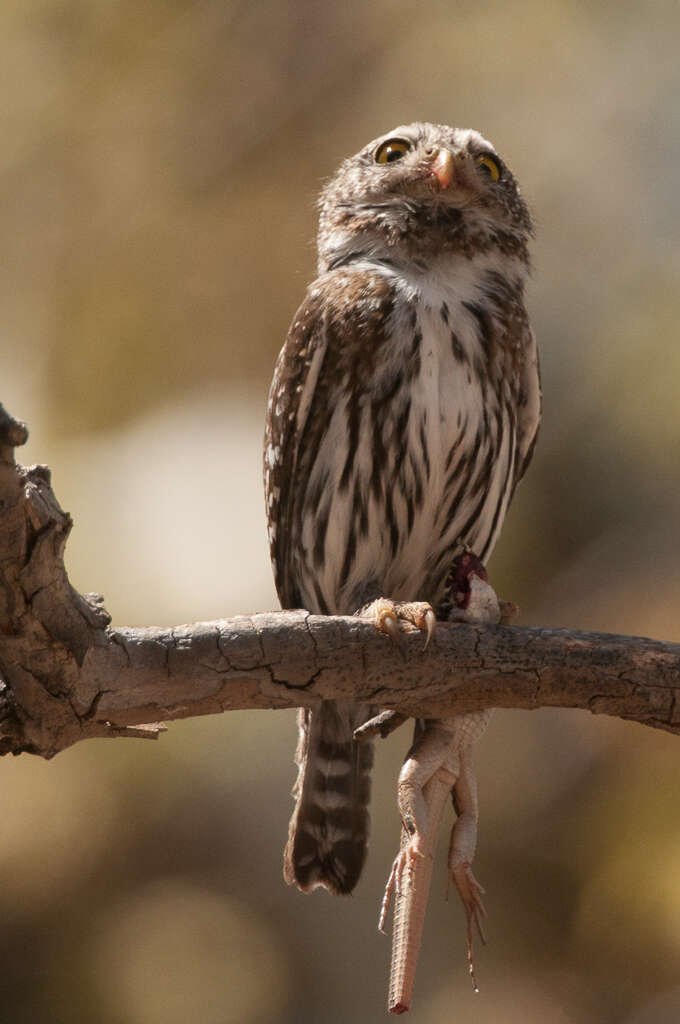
x=430 y=753
x=424 y=760
x=462 y=850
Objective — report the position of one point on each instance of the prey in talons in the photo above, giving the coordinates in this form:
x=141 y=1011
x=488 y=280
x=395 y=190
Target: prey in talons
x=438 y=764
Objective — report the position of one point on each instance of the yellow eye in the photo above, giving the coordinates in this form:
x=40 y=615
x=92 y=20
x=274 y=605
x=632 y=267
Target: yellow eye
x=490 y=166
x=393 y=149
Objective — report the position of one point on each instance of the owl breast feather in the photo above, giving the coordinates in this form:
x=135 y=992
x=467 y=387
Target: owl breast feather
x=404 y=448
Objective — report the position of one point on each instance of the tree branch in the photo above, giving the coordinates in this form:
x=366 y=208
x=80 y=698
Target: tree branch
x=66 y=675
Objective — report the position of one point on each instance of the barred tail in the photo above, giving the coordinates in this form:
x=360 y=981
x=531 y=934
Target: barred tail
x=328 y=831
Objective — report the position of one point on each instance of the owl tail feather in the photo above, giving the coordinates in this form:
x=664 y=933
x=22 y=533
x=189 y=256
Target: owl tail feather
x=328 y=831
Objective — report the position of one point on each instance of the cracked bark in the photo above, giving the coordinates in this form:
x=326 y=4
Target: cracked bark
x=66 y=674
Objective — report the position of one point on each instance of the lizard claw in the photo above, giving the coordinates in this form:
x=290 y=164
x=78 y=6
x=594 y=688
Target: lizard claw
x=390 y=889
x=470 y=892
x=403 y=862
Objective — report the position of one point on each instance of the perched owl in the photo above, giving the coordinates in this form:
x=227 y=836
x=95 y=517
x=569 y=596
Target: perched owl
x=403 y=412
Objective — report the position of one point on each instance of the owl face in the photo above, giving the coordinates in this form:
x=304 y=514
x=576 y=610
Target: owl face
x=422 y=185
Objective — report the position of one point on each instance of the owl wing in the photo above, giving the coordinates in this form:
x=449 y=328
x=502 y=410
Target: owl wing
x=529 y=407
x=290 y=400
x=326 y=359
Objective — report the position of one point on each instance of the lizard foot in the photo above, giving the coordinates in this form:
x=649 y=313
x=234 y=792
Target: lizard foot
x=403 y=862
x=470 y=892
x=389 y=617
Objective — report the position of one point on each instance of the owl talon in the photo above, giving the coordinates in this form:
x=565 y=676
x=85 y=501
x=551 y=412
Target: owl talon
x=389 y=624
x=390 y=616
x=380 y=725
x=431 y=625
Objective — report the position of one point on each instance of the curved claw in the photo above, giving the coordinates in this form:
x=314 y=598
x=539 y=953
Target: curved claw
x=471 y=893
x=390 y=889
x=390 y=616
x=389 y=624
x=430 y=625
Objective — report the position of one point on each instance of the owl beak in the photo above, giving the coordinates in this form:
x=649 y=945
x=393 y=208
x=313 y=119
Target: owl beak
x=443 y=168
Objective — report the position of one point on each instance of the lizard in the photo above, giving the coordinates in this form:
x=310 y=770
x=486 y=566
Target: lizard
x=439 y=763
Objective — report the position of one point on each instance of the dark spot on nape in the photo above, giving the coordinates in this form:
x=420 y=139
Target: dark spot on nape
x=417 y=341
x=445 y=313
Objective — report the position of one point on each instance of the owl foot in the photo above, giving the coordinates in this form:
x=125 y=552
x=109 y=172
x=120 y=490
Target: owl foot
x=381 y=725
x=389 y=617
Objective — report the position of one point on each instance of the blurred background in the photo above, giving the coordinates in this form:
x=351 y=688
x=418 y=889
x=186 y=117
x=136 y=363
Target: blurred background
x=158 y=173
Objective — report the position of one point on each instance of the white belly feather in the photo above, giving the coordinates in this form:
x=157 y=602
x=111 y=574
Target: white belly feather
x=446 y=415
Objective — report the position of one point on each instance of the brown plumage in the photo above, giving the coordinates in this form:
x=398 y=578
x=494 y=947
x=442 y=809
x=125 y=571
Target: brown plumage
x=402 y=414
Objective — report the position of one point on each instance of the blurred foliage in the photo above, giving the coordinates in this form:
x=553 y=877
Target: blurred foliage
x=159 y=167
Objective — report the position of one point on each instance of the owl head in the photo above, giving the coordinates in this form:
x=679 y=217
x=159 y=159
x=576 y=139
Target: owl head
x=420 y=190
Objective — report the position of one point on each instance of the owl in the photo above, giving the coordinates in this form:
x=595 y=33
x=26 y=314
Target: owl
x=402 y=413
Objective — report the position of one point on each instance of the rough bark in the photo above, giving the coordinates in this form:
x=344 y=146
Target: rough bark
x=67 y=675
